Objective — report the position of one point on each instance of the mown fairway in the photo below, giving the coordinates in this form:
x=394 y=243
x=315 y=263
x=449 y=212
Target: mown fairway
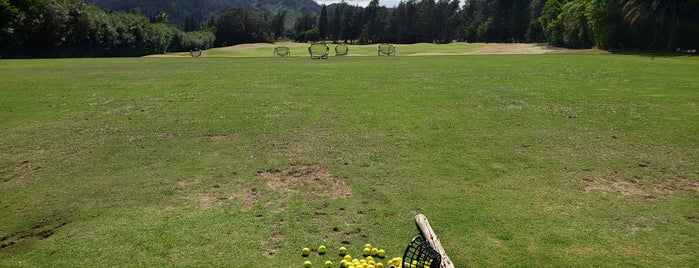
x=529 y=160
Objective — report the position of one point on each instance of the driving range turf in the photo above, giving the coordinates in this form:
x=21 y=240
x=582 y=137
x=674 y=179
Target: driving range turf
x=517 y=160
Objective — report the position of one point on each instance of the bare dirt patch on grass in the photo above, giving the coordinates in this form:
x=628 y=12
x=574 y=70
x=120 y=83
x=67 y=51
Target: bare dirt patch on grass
x=675 y=185
x=662 y=186
x=204 y=195
x=645 y=178
x=306 y=179
x=186 y=183
x=608 y=185
x=250 y=198
x=502 y=49
x=274 y=239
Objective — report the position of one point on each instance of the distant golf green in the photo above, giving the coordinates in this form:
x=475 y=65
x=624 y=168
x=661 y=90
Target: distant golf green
x=562 y=160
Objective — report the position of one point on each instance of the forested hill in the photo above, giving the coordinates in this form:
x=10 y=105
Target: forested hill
x=200 y=10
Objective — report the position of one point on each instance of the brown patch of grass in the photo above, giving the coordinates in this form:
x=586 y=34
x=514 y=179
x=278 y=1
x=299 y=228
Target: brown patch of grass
x=679 y=184
x=250 y=198
x=664 y=186
x=583 y=251
x=306 y=179
x=607 y=185
x=205 y=199
x=275 y=238
x=164 y=136
x=201 y=199
x=183 y=183
x=273 y=251
x=216 y=195
x=281 y=208
x=487 y=49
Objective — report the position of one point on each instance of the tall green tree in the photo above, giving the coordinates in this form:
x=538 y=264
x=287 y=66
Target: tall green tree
x=353 y=23
x=606 y=23
x=576 y=30
x=323 y=23
x=347 y=22
x=306 y=22
x=519 y=20
x=474 y=20
x=403 y=25
x=552 y=26
x=305 y=28
x=191 y=24
x=336 y=27
x=425 y=20
x=277 y=24
x=238 y=26
x=445 y=14
x=535 y=31
x=11 y=21
x=501 y=15
x=8 y=13
x=662 y=16
x=566 y=23
x=374 y=22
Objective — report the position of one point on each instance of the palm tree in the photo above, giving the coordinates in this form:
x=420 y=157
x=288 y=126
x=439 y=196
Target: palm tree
x=658 y=14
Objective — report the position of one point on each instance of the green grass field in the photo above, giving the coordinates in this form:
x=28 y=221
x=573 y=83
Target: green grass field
x=517 y=160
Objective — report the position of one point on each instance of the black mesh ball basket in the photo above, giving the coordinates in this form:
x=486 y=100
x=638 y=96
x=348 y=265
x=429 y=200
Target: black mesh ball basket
x=419 y=254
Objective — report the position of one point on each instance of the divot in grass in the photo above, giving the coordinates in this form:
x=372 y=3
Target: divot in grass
x=43 y=230
x=217 y=136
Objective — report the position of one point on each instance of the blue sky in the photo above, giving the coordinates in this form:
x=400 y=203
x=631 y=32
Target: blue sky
x=361 y=3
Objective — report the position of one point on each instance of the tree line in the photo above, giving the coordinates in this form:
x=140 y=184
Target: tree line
x=625 y=24
x=71 y=28
x=607 y=24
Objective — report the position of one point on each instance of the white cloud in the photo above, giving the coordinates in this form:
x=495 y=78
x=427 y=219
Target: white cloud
x=361 y=3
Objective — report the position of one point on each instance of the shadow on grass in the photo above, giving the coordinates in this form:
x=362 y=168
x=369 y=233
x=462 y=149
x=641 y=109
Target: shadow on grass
x=656 y=53
x=634 y=52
